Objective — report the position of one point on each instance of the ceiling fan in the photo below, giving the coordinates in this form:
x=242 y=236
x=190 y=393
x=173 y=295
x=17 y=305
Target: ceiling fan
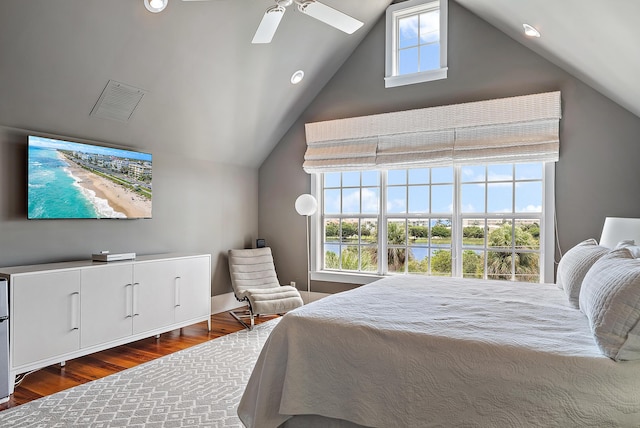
x=313 y=8
x=271 y=19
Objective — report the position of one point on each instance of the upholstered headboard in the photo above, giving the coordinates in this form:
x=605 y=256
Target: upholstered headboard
x=617 y=229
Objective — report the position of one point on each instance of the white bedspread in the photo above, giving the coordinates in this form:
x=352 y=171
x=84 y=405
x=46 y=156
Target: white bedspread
x=409 y=351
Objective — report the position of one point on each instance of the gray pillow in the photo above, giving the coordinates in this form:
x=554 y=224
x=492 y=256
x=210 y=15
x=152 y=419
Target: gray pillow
x=631 y=246
x=575 y=264
x=610 y=298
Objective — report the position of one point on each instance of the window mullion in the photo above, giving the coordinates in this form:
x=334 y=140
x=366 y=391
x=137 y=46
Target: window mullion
x=382 y=225
x=456 y=222
x=513 y=222
x=486 y=216
x=406 y=222
x=419 y=46
x=360 y=225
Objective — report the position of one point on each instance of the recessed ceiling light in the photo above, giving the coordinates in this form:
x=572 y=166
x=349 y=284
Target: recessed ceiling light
x=155 y=6
x=297 y=77
x=530 y=31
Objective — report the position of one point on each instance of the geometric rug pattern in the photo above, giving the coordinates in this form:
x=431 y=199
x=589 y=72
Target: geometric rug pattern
x=199 y=386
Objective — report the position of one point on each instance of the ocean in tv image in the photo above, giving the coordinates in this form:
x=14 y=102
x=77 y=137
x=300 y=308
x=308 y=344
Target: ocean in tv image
x=72 y=180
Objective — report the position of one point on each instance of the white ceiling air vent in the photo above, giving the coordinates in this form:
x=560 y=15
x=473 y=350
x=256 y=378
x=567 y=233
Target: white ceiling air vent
x=118 y=101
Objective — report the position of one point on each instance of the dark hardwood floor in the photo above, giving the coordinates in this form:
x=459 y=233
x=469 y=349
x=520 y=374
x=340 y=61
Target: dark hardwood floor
x=55 y=378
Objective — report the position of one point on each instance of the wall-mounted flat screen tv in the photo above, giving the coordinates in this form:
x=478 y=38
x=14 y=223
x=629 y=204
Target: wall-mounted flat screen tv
x=73 y=180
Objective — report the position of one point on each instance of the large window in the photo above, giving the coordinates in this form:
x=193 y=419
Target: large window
x=476 y=221
x=416 y=45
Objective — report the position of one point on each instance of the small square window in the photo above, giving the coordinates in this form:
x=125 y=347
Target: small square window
x=416 y=43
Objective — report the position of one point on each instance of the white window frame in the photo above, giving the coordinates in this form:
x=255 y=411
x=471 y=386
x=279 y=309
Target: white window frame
x=547 y=238
x=408 y=8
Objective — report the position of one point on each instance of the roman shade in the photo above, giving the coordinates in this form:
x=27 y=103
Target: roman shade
x=516 y=129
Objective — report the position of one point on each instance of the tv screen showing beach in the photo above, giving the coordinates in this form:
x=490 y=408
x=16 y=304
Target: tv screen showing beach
x=74 y=180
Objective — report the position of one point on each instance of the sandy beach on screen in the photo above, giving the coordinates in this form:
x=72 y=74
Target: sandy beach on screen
x=119 y=198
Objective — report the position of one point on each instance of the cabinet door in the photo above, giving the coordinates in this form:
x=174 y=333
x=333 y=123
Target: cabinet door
x=153 y=295
x=193 y=288
x=107 y=304
x=45 y=315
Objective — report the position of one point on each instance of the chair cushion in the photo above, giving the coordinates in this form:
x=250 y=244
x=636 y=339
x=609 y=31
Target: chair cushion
x=274 y=300
x=252 y=268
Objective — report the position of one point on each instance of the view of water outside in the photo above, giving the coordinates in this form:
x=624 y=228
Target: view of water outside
x=500 y=210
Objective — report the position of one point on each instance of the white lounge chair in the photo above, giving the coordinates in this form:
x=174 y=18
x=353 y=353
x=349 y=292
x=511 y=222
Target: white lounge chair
x=254 y=280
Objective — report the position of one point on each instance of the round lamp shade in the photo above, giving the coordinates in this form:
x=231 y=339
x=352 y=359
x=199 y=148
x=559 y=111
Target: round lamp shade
x=306 y=204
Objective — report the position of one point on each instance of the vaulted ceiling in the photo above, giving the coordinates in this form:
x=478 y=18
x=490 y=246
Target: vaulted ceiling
x=211 y=94
x=596 y=41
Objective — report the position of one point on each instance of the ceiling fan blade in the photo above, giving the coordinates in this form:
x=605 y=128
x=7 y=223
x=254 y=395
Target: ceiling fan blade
x=329 y=15
x=268 y=25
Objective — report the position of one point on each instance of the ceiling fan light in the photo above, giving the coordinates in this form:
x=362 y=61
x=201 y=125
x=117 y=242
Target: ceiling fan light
x=297 y=77
x=530 y=31
x=155 y=6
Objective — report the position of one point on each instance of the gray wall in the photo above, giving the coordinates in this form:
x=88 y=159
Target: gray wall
x=198 y=206
x=597 y=174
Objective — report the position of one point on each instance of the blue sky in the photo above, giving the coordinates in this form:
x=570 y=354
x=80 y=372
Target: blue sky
x=419 y=42
x=51 y=143
x=416 y=192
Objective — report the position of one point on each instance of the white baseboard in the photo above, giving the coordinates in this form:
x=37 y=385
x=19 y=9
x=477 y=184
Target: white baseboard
x=224 y=302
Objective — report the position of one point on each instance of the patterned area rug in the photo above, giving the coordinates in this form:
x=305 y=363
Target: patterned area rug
x=196 y=387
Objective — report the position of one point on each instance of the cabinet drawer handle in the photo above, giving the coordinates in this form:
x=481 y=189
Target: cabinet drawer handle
x=135 y=299
x=177 y=291
x=128 y=290
x=75 y=300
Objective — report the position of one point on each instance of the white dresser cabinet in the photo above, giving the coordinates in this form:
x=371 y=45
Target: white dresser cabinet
x=153 y=303
x=60 y=311
x=107 y=294
x=190 y=283
x=44 y=311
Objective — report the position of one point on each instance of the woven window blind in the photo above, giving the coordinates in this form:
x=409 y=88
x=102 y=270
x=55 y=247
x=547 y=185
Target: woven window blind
x=516 y=129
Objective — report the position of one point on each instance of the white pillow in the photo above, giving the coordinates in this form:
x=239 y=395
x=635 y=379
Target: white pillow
x=610 y=298
x=575 y=264
x=625 y=243
x=630 y=245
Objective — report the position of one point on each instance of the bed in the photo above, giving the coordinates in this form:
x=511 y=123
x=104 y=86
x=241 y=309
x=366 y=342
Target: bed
x=413 y=351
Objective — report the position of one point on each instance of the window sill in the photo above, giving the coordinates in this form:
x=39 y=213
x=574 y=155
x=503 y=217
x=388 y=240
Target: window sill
x=345 y=278
x=410 y=79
